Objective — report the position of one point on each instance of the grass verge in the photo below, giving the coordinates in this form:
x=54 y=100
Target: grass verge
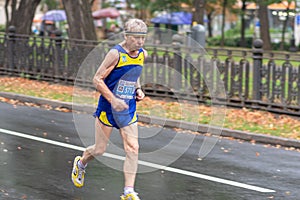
x=236 y=119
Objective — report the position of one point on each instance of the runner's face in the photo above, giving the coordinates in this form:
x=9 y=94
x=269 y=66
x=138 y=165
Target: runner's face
x=135 y=42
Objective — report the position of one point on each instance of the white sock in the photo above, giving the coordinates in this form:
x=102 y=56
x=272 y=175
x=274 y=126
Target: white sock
x=80 y=165
x=128 y=190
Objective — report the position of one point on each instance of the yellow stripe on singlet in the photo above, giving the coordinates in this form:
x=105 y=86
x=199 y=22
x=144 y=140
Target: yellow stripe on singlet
x=126 y=60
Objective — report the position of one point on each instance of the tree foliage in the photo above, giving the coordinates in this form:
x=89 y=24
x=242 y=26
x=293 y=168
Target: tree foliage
x=81 y=25
x=167 y=5
x=212 y=9
x=50 y=4
x=140 y=6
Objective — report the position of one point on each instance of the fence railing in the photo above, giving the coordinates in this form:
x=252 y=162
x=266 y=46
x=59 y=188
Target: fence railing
x=241 y=78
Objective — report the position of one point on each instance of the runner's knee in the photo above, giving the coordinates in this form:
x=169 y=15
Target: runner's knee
x=98 y=151
x=132 y=148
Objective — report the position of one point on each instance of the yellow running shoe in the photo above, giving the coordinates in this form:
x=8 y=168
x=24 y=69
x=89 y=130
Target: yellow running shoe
x=130 y=196
x=77 y=173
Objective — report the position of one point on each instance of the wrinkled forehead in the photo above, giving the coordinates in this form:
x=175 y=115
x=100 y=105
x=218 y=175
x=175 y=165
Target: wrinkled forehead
x=135 y=27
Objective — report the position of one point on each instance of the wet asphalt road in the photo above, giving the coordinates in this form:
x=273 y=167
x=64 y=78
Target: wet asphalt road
x=31 y=169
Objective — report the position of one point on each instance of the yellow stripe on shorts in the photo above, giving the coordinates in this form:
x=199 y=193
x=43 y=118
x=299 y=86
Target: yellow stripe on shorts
x=134 y=118
x=103 y=119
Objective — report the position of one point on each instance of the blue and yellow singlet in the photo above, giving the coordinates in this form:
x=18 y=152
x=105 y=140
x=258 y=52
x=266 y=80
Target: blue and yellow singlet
x=122 y=82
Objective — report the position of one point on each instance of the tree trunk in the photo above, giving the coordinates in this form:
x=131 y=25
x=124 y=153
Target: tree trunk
x=284 y=27
x=209 y=24
x=223 y=22
x=6 y=14
x=80 y=20
x=283 y=31
x=22 y=15
x=243 y=25
x=198 y=14
x=264 y=25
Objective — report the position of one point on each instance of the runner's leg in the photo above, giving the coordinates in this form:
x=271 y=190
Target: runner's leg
x=102 y=134
x=131 y=147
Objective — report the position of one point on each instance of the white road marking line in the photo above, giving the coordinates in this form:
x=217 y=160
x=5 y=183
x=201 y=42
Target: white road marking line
x=144 y=163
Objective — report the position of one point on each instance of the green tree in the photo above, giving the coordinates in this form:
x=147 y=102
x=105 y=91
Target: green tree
x=141 y=7
x=212 y=7
x=243 y=23
x=226 y=5
x=50 y=4
x=242 y=12
x=199 y=11
x=21 y=15
x=264 y=24
x=80 y=20
x=285 y=23
x=168 y=5
x=216 y=7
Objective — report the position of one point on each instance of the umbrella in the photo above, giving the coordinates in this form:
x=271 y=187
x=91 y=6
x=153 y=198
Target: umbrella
x=55 y=15
x=106 y=12
x=174 y=18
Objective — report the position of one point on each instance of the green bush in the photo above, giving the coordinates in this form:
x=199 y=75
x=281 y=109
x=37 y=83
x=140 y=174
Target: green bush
x=232 y=32
x=236 y=42
x=2 y=28
x=230 y=42
x=214 y=41
x=248 y=41
x=276 y=46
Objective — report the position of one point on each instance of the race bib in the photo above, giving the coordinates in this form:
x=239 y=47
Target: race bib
x=125 y=89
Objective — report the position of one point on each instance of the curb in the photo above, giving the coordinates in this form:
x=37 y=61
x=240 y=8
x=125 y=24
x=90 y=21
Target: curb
x=170 y=123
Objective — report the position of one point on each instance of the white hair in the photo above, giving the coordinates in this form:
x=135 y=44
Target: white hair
x=135 y=26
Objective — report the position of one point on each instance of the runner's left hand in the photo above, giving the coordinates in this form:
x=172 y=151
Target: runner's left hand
x=139 y=94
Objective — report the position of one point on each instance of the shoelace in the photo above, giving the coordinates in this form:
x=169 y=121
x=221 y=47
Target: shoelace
x=80 y=172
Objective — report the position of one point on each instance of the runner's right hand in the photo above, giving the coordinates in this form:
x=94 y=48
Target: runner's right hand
x=118 y=104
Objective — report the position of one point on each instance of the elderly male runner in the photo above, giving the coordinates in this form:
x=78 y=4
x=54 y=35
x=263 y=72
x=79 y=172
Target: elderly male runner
x=117 y=79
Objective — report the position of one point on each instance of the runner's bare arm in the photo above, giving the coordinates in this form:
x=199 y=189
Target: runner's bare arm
x=139 y=92
x=108 y=64
x=138 y=84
